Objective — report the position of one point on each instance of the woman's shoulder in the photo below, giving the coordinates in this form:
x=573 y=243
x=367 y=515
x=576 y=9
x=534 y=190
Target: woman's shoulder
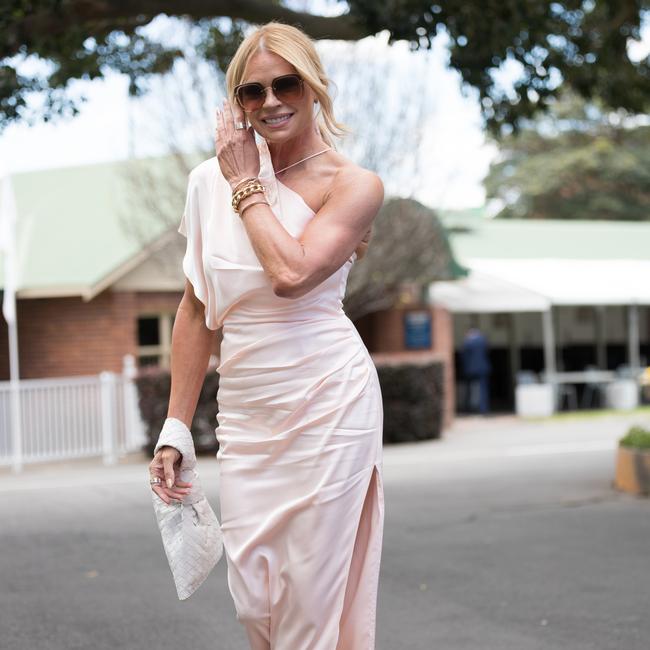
x=349 y=175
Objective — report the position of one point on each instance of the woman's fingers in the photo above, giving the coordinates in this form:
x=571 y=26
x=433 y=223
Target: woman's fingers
x=160 y=494
x=168 y=470
x=169 y=458
x=228 y=118
x=168 y=495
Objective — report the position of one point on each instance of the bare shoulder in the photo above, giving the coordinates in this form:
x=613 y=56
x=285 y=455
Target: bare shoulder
x=352 y=180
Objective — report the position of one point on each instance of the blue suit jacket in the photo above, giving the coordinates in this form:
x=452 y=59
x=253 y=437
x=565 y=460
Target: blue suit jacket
x=474 y=356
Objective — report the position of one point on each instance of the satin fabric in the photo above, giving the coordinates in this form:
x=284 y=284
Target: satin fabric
x=300 y=432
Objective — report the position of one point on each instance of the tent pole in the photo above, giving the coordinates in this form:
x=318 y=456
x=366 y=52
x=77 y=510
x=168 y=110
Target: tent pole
x=549 y=350
x=513 y=346
x=549 y=341
x=633 y=351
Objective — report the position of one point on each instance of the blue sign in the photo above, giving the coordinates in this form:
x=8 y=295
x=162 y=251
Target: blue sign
x=417 y=330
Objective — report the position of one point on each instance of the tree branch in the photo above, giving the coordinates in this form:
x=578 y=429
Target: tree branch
x=100 y=14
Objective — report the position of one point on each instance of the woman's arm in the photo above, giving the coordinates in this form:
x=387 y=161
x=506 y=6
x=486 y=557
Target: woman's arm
x=192 y=344
x=296 y=266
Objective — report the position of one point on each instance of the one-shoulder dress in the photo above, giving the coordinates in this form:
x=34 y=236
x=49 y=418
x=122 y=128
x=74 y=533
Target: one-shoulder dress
x=300 y=423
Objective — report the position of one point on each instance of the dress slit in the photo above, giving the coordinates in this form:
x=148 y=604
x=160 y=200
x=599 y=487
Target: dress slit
x=358 y=619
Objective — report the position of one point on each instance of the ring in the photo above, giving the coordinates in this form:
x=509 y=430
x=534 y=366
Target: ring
x=156 y=480
x=240 y=125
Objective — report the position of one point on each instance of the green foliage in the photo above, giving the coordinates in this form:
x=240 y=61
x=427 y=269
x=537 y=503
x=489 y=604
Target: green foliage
x=408 y=245
x=583 y=42
x=578 y=163
x=636 y=438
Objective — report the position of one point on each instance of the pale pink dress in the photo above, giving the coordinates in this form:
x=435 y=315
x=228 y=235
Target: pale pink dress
x=300 y=432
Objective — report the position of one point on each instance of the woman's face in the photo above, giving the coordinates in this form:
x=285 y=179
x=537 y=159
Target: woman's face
x=263 y=67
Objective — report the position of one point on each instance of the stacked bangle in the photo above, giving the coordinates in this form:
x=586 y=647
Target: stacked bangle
x=241 y=212
x=241 y=183
x=248 y=187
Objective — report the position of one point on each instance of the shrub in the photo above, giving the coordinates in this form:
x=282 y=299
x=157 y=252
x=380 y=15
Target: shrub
x=154 y=388
x=637 y=438
x=413 y=400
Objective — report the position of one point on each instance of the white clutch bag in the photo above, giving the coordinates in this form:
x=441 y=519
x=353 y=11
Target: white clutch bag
x=190 y=530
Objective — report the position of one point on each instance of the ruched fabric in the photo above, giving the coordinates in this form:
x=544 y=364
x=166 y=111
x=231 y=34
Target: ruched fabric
x=300 y=433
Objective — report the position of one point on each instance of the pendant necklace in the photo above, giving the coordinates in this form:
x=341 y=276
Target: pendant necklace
x=303 y=160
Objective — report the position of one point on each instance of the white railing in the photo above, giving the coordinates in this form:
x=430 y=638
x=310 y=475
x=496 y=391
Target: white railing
x=70 y=417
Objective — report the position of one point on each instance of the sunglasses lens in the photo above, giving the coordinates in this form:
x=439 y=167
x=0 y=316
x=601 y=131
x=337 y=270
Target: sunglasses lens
x=288 y=88
x=251 y=96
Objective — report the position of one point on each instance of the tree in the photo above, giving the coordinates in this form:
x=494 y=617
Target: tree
x=580 y=162
x=408 y=244
x=582 y=42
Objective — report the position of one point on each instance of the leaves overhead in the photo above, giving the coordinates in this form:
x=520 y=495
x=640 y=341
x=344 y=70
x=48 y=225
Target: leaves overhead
x=581 y=163
x=580 y=42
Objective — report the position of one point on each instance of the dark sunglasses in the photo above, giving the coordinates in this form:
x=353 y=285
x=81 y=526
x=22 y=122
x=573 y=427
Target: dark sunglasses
x=287 y=88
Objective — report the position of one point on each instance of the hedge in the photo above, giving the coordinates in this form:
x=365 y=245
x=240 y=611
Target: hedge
x=413 y=399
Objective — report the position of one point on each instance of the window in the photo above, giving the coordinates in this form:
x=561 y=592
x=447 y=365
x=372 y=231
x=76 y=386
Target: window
x=155 y=339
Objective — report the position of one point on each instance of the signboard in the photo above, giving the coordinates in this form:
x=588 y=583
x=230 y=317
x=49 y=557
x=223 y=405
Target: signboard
x=417 y=330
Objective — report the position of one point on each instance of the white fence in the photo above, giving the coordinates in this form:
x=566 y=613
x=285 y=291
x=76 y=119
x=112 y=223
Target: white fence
x=70 y=417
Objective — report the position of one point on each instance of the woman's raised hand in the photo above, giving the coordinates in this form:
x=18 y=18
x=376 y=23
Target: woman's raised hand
x=236 y=149
x=363 y=245
x=166 y=465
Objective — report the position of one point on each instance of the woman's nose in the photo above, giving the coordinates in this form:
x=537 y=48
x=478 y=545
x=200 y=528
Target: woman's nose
x=270 y=99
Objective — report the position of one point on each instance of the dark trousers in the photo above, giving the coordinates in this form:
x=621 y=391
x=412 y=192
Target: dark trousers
x=478 y=394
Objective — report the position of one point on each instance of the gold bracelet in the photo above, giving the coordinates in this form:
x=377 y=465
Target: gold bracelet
x=241 y=214
x=246 y=191
x=246 y=180
x=242 y=194
x=245 y=184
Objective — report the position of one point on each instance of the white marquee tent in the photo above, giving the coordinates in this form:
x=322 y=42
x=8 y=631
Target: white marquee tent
x=536 y=285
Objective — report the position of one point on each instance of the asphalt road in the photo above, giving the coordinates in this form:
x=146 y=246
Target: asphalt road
x=501 y=536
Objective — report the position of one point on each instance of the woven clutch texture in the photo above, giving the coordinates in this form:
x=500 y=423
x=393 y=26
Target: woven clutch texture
x=190 y=531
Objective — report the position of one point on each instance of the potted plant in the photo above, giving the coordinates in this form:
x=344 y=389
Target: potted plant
x=633 y=462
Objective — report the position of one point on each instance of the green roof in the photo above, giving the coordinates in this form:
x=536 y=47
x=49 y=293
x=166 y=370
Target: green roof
x=76 y=225
x=556 y=238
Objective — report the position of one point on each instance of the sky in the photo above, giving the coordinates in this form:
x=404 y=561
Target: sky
x=454 y=159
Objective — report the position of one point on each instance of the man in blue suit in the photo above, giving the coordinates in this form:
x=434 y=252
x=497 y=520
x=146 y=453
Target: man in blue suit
x=476 y=368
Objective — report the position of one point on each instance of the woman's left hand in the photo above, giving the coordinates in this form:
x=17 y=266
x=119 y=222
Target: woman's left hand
x=236 y=149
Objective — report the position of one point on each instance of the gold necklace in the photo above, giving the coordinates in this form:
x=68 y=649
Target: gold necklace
x=303 y=160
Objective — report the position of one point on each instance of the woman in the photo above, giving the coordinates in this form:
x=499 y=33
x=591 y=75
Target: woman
x=273 y=230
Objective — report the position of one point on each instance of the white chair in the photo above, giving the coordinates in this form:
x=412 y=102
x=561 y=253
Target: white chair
x=592 y=391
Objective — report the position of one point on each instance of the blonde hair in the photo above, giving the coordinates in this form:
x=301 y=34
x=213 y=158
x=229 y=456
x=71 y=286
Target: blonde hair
x=295 y=47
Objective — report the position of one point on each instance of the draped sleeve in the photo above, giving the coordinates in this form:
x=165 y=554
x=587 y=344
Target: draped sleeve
x=193 y=227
